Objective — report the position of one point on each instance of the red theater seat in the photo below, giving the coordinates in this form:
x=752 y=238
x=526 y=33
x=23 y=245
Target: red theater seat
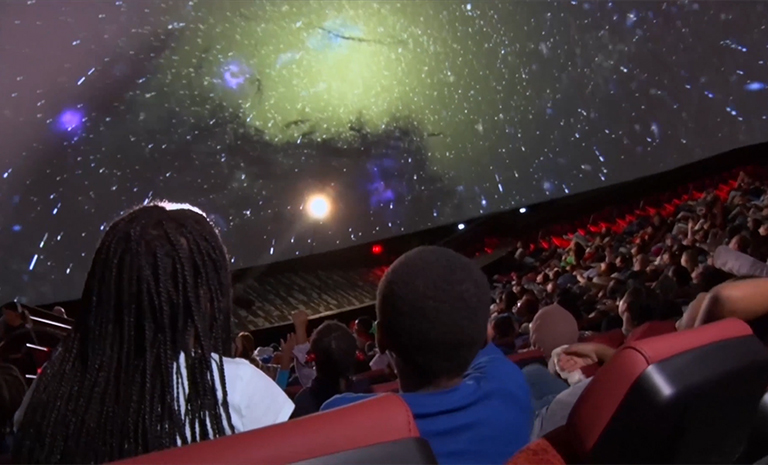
x=338 y=430
x=522 y=359
x=613 y=338
x=540 y=451
x=685 y=397
x=651 y=329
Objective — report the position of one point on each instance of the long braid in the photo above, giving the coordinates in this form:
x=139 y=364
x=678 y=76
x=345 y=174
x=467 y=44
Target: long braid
x=158 y=287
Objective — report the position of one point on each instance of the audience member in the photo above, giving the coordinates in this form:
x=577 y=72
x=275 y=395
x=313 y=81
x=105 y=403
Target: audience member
x=58 y=311
x=471 y=403
x=334 y=349
x=146 y=366
x=502 y=331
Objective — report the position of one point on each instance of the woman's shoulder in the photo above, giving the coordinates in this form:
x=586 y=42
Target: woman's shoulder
x=241 y=370
x=256 y=398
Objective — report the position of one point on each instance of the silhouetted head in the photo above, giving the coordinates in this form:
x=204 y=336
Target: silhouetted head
x=638 y=306
x=335 y=350
x=432 y=302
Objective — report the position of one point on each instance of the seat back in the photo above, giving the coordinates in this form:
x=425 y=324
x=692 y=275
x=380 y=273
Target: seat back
x=651 y=329
x=528 y=357
x=613 y=338
x=685 y=397
x=757 y=446
x=321 y=434
x=410 y=451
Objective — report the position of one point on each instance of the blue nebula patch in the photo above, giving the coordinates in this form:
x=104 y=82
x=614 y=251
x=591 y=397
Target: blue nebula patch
x=234 y=74
x=379 y=189
x=70 y=120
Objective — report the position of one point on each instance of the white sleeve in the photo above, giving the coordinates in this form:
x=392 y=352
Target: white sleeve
x=305 y=373
x=380 y=361
x=256 y=400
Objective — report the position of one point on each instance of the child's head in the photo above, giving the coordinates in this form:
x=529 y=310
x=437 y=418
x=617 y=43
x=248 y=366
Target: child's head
x=244 y=346
x=335 y=349
x=501 y=326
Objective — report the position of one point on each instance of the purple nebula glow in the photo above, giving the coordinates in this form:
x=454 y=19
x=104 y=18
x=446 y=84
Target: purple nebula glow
x=235 y=74
x=70 y=120
x=380 y=194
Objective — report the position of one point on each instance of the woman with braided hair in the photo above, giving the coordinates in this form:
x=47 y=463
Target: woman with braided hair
x=147 y=364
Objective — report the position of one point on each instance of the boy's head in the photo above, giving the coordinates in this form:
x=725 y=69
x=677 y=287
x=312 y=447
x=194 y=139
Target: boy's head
x=432 y=316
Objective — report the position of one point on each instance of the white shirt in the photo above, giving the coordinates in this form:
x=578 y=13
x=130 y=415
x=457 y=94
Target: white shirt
x=305 y=373
x=380 y=361
x=255 y=400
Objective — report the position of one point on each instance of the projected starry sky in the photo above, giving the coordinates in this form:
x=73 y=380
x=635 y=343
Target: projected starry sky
x=405 y=114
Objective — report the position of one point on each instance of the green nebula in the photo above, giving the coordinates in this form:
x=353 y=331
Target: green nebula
x=319 y=66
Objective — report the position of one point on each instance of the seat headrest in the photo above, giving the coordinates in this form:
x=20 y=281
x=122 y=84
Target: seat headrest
x=657 y=398
x=317 y=435
x=410 y=451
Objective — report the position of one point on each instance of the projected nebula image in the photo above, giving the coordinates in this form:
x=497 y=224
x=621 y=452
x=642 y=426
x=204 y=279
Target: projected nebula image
x=404 y=115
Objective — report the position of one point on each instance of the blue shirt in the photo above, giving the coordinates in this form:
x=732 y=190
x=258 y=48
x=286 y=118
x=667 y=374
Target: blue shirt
x=485 y=419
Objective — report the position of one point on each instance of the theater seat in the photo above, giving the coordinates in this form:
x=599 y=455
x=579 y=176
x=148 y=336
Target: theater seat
x=538 y=452
x=410 y=451
x=528 y=357
x=651 y=329
x=613 y=338
x=757 y=446
x=685 y=397
x=338 y=430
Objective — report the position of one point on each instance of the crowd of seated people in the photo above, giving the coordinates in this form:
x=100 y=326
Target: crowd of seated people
x=151 y=363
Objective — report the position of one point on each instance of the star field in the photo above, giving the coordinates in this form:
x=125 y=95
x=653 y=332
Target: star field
x=406 y=114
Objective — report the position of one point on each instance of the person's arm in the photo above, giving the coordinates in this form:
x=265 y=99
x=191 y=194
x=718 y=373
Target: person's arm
x=593 y=352
x=739 y=264
x=305 y=373
x=746 y=300
x=286 y=348
x=300 y=323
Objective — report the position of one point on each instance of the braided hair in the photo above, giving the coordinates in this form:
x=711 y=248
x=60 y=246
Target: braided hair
x=158 y=287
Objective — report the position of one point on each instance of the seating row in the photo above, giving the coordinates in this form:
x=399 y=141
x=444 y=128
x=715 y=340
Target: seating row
x=687 y=396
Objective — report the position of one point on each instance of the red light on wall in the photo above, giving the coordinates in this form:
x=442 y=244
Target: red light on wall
x=377 y=249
